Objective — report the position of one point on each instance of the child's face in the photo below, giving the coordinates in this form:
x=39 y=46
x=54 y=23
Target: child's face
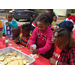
x=15 y=34
x=54 y=37
x=42 y=26
x=54 y=18
x=9 y=17
x=25 y=33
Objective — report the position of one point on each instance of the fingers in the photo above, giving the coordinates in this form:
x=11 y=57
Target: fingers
x=31 y=49
x=52 y=61
x=6 y=23
x=16 y=41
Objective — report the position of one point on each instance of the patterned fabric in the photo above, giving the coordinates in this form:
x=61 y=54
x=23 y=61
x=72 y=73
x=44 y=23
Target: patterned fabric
x=9 y=31
x=49 y=53
x=24 y=40
x=67 y=57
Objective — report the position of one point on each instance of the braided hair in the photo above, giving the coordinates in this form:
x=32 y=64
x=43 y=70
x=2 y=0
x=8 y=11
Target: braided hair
x=43 y=19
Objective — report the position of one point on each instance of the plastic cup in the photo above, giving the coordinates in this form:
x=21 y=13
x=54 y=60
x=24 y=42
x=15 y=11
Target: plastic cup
x=6 y=43
x=3 y=38
x=5 y=22
x=34 y=46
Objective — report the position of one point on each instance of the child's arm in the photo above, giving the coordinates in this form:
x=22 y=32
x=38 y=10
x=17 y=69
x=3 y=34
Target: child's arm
x=33 y=37
x=13 y=24
x=47 y=46
x=17 y=40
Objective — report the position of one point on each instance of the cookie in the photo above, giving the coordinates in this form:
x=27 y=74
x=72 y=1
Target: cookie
x=14 y=53
x=2 y=58
x=35 y=56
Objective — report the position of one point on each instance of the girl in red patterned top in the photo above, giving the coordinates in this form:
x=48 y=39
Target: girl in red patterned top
x=64 y=41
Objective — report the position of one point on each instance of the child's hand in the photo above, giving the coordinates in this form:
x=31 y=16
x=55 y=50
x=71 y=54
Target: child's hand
x=52 y=61
x=55 y=28
x=33 y=51
x=4 y=34
x=16 y=41
x=6 y=23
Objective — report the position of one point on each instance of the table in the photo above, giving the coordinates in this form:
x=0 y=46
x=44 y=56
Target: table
x=38 y=61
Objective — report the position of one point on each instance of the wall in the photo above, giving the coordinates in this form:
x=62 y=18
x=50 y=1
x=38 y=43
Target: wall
x=61 y=12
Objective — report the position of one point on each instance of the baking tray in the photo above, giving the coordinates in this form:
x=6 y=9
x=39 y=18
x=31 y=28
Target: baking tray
x=19 y=54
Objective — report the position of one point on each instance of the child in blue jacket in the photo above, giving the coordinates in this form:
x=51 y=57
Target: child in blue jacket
x=8 y=25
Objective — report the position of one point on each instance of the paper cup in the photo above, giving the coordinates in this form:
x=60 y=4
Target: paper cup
x=6 y=21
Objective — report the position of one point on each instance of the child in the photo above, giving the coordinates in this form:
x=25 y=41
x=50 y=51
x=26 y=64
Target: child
x=1 y=27
x=9 y=25
x=50 y=11
x=68 y=24
x=24 y=37
x=34 y=17
x=55 y=18
x=66 y=17
x=41 y=36
x=64 y=41
x=15 y=32
x=49 y=14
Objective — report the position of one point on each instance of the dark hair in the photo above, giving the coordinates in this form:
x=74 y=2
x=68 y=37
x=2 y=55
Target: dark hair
x=68 y=15
x=35 y=15
x=64 y=39
x=8 y=14
x=26 y=27
x=51 y=10
x=16 y=29
x=43 y=19
x=52 y=14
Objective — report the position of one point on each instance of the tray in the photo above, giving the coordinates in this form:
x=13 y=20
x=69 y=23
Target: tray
x=19 y=54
